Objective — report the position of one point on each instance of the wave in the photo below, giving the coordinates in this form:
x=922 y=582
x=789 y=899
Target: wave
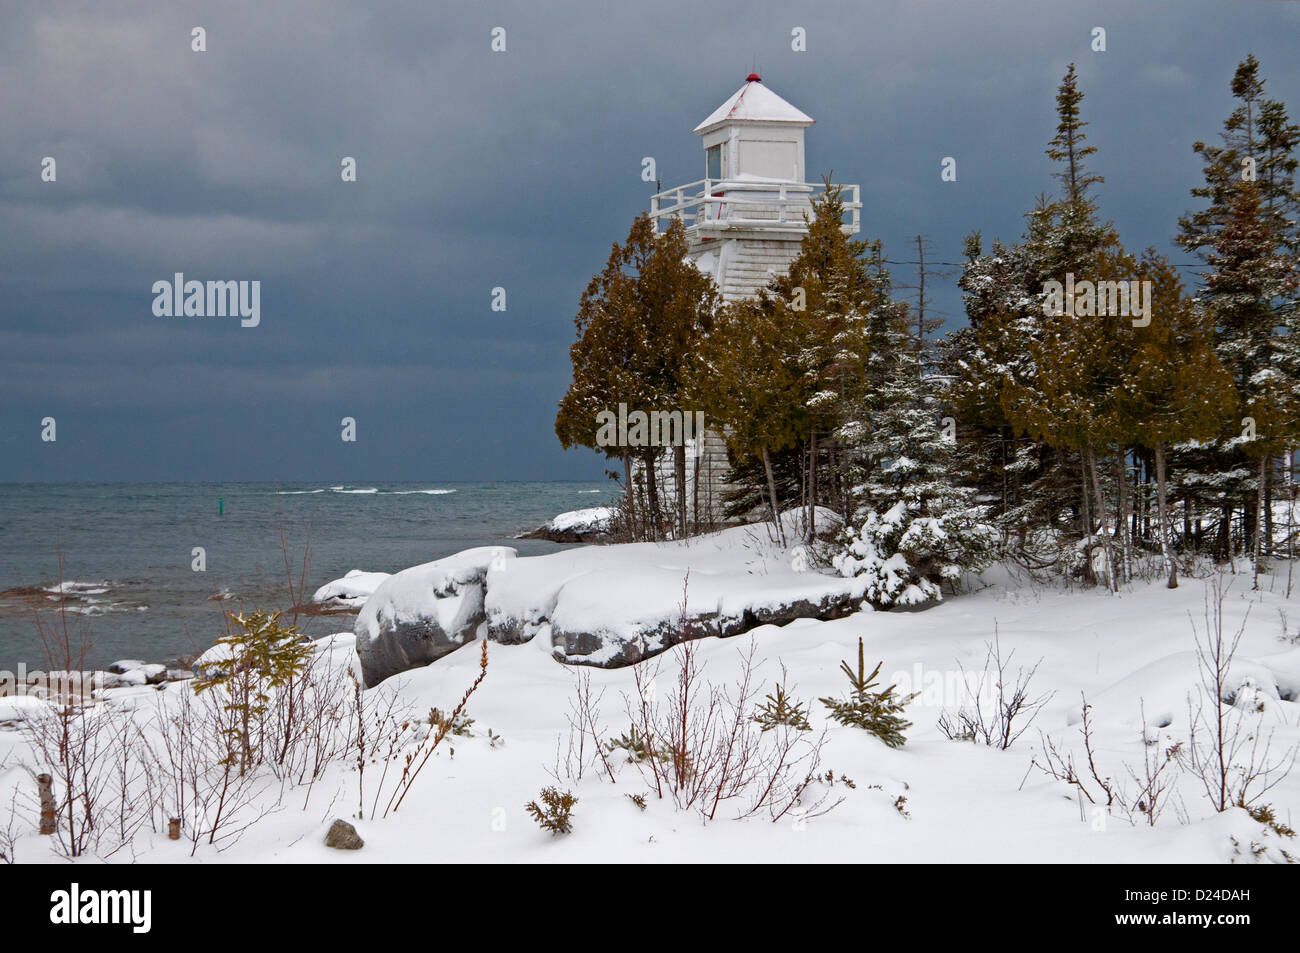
x=371 y=490
x=74 y=588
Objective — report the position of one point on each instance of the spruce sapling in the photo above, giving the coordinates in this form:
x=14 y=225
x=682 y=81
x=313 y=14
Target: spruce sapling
x=879 y=712
x=556 y=816
x=779 y=709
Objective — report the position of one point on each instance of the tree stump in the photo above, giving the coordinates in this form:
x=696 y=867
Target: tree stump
x=45 y=784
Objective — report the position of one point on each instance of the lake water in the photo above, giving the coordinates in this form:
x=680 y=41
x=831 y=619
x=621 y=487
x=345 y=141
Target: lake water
x=128 y=550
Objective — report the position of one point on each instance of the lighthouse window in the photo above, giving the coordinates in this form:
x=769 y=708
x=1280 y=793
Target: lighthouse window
x=714 y=162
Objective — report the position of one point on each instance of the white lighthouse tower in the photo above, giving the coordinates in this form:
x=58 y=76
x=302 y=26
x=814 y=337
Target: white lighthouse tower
x=744 y=220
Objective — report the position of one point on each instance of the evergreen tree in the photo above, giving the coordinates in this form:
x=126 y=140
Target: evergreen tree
x=261 y=657
x=879 y=712
x=1174 y=389
x=842 y=338
x=1022 y=373
x=1248 y=235
x=638 y=323
x=919 y=529
x=746 y=376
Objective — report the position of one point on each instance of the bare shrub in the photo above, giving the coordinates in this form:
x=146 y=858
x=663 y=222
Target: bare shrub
x=196 y=753
x=584 y=744
x=413 y=762
x=1227 y=749
x=1097 y=788
x=380 y=734
x=998 y=721
x=1156 y=781
x=91 y=754
x=309 y=721
x=702 y=749
x=8 y=838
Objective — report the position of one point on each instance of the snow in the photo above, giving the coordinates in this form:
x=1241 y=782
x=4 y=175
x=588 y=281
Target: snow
x=18 y=707
x=352 y=590
x=408 y=595
x=964 y=802
x=754 y=102
x=591 y=519
x=624 y=593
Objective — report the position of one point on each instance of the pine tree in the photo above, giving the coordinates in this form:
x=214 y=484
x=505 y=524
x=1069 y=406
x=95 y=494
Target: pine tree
x=1248 y=235
x=1023 y=373
x=638 y=323
x=745 y=374
x=919 y=529
x=261 y=657
x=1027 y=484
x=843 y=338
x=879 y=712
x=1174 y=389
x=778 y=708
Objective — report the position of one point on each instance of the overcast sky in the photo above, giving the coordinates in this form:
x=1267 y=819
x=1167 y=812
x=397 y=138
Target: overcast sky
x=479 y=169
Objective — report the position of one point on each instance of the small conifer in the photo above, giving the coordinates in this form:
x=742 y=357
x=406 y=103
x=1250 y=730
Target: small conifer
x=556 y=814
x=780 y=709
x=879 y=712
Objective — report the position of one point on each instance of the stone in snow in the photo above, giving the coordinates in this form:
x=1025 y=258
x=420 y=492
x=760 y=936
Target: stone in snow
x=343 y=836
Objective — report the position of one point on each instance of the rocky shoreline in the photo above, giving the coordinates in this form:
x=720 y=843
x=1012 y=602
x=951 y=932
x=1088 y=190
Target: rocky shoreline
x=603 y=606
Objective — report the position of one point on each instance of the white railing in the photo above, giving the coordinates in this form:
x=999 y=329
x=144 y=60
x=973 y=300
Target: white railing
x=719 y=204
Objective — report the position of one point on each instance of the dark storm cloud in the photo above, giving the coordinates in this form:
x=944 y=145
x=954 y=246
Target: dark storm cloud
x=480 y=170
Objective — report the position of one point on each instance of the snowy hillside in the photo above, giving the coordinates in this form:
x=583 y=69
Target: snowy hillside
x=933 y=799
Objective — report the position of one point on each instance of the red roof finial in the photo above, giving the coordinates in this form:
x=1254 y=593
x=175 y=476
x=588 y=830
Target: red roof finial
x=753 y=78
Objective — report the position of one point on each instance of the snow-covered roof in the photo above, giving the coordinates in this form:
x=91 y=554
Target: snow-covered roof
x=754 y=102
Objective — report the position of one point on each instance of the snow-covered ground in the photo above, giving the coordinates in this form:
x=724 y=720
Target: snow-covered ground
x=932 y=800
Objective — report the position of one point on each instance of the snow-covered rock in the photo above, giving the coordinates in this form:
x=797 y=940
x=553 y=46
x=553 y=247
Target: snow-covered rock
x=422 y=613
x=211 y=662
x=352 y=590
x=590 y=525
x=17 y=708
x=614 y=605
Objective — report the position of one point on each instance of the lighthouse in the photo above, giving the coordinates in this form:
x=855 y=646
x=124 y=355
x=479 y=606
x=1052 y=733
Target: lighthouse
x=744 y=220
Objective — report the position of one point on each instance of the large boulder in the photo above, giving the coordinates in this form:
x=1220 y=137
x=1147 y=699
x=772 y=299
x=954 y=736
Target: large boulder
x=594 y=623
x=420 y=614
x=615 y=605
x=592 y=525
